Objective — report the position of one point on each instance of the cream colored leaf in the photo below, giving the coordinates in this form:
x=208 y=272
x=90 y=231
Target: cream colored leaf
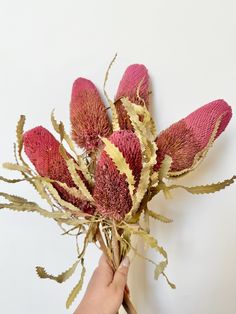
x=42 y=273
x=61 y=202
x=15 y=167
x=114 y=120
x=119 y=160
x=160 y=268
x=203 y=189
x=165 y=167
x=159 y=217
x=76 y=289
x=77 y=180
x=11 y=180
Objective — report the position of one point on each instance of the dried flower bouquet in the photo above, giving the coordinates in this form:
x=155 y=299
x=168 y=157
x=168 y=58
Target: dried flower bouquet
x=102 y=194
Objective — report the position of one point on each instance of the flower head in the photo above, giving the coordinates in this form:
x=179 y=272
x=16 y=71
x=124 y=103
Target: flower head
x=88 y=115
x=111 y=191
x=190 y=136
x=136 y=76
x=42 y=149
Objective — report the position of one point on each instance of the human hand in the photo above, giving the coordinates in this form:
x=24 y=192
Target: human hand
x=105 y=291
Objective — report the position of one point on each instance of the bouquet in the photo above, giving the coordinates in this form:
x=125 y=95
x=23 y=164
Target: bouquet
x=98 y=188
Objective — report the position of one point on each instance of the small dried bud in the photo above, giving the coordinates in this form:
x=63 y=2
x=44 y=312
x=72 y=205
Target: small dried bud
x=187 y=137
x=42 y=149
x=111 y=191
x=129 y=84
x=88 y=115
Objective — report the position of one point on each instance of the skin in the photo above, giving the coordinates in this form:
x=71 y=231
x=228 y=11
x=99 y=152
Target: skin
x=104 y=294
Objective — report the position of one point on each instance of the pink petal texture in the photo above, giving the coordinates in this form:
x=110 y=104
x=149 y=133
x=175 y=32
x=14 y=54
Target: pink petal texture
x=42 y=149
x=111 y=190
x=88 y=115
x=184 y=139
x=128 y=86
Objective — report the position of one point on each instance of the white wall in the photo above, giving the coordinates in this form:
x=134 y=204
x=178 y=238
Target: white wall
x=189 y=48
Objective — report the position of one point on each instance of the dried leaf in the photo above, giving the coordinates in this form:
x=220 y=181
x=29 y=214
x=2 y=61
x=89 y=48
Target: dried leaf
x=11 y=180
x=76 y=289
x=63 y=203
x=165 y=167
x=203 y=189
x=15 y=167
x=159 y=217
x=77 y=179
x=160 y=268
x=114 y=121
x=42 y=273
x=13 y=198
x=117 y=157
x=33 y=207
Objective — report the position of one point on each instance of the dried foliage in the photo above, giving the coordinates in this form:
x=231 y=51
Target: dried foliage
x=102 y=193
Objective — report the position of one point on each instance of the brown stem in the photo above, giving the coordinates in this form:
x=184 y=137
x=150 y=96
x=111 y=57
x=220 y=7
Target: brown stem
x=127 y=304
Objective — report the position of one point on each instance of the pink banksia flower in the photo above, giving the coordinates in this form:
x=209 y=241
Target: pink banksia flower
x=136 y=75
x=186 y=138
x=88 y=115
x=111 y=191
x=42 y=149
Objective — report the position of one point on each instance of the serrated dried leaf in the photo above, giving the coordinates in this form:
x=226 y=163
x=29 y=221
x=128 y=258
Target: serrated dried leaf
x=13 y=198
x=63 y=203
x=77 y=179
x=114 y=120
x=33 y=207
x=160 y=268
x=15 y=167
x=76 y=289
x=119 y=160
x=42 y=273
x=11 y=180
x=60 y=129
x=165 y=167
x=159 y=217
x=19 y=133
x=205 y=189
x=149 y=239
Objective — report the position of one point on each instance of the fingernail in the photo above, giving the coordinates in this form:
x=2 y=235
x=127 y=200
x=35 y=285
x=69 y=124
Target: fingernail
x=126 y=262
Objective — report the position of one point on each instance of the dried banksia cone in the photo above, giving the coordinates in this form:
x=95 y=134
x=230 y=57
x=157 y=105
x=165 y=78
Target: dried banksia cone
x=88 y=115
x=135 y=76
x=111 y=191
x=42 y=149
x=187 y=138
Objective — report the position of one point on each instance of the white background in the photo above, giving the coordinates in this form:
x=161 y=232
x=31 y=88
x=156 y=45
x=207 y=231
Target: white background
x=189 y=48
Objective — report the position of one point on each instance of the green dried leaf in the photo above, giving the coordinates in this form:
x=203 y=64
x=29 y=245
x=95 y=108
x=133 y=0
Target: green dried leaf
x=203 y=189
x=77 y=288
x=159 y=217
x=42 y=273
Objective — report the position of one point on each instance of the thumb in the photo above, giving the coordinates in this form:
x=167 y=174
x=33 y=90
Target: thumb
x=121 y=274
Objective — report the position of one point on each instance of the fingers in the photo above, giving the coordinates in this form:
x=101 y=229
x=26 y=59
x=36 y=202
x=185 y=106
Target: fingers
x=103 y=274
x=120 y=276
